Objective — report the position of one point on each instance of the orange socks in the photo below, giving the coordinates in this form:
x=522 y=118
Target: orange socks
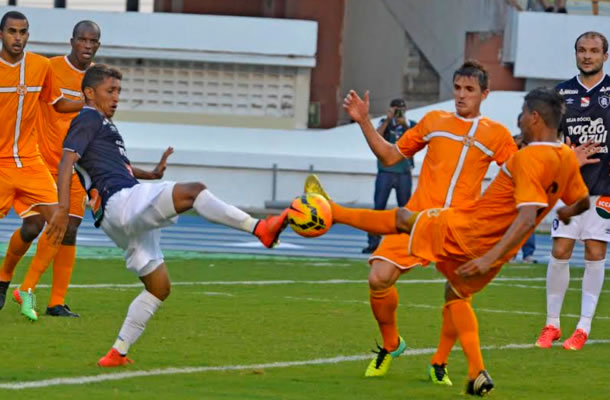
x=16 y=249
x=373 y=221
x=45 y=252
x=384 y=303
x=448 y=337
x=467 y=327
x=62 y=272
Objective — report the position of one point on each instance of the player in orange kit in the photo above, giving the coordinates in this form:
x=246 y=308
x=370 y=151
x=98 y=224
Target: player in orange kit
x=524 y=191
x=25 y=181
x=460 y=147
x=69 y=71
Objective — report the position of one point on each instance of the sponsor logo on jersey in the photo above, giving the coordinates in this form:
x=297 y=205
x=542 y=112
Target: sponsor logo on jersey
x=602 y=206
x=604 y=101
x=585 y=101
x=564 y=92
x=604 y=89
x=570 y=101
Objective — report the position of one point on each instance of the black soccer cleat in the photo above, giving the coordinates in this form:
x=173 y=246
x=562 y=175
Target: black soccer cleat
x=481 y=385
x=3 y=289
x=61 y=311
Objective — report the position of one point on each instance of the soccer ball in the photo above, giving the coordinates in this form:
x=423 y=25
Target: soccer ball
x=310 y=215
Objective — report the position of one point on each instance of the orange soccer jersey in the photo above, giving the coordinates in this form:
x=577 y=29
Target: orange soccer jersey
x=22 y=85
x=539 y=174
x=53 y=126
x=459 y=152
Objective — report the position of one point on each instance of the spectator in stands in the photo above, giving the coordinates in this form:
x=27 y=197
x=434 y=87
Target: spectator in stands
x=560 y=6
x=397 y=177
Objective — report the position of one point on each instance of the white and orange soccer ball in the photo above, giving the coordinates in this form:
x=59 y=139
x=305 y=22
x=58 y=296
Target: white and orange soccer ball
x=310 y=215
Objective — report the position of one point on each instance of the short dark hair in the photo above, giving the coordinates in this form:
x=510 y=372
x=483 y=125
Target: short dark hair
x=398 y=103
x=548 y=104
x=12 y=15
x=97 y=74
x=85 y=24
x=592 y=34
x=475 y=69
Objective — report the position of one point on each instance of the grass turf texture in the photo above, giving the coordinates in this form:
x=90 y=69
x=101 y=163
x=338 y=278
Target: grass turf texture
x=224 y=325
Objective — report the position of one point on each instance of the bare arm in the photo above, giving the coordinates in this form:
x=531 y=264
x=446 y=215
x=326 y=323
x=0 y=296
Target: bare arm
x=567 y=212
x=525 y=221
x=59 y=222
x=159 y=170
x=358 y=110
x=64 y=105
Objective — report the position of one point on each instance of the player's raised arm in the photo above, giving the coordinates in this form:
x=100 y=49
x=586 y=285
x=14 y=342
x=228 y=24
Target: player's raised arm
x=59 y=222
x=64 y=105
x=159 y=170
x=358 y=110
x=521 y=226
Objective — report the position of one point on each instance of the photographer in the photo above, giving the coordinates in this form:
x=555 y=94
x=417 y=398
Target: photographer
x=397 y=177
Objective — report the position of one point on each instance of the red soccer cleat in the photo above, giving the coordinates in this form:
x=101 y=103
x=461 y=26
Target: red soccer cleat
x=113 y=359
x=17 y=296
x=576 y=341
x=548 y=335
x=268 y=230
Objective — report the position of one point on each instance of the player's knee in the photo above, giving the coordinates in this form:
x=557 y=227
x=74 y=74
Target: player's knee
x=31 y=228
x=379 y=281
x=70 y=235
x=561 y=253
x=164 y=291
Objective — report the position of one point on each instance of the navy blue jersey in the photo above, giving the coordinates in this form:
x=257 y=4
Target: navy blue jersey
x=588 y=117
x=103 y=167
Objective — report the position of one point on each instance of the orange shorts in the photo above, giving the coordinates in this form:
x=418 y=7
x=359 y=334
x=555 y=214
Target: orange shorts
x=78 y=199
x=25 y=188
x=432 y=238
x=395 y=250
x=466 y=287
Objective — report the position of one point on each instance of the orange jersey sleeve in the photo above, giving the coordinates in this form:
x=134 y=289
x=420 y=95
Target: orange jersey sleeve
x=413 y=140
x=458 y=155
x=53 y=126
x=22 y=85
x=577 y=189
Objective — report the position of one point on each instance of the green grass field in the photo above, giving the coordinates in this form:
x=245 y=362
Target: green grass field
x=238 y=322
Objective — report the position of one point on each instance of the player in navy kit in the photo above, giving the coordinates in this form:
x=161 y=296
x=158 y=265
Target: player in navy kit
x=587 y=120
x=131 y=212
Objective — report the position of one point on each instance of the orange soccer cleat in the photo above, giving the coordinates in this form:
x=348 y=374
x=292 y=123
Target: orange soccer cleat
x=268 y=230
x=576 y=341
x=113 y=359
x=548 y=335
x=17 y=297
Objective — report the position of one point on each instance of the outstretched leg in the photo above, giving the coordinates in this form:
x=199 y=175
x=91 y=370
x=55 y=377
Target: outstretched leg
x=195 y=195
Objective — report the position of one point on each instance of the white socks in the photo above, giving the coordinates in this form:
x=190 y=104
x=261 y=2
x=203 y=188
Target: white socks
x=140 y=311
x=592 y=283
x=557 y=281
x=215 y=210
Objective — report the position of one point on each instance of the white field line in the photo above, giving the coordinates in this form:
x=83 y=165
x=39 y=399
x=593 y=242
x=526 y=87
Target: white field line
x=81 y=380
x=433 y=307
x=537 y=287
x=288 y=282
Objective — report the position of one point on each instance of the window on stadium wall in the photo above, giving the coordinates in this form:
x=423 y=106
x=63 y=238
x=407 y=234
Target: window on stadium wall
x=209 y=88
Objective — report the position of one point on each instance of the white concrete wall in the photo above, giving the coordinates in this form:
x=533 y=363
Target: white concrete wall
x=374 y=53
x=439 y=29
x=543 y=46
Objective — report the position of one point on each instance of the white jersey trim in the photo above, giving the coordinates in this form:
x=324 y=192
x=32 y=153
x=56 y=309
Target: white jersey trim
x=532 y=204
x=460 y=165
